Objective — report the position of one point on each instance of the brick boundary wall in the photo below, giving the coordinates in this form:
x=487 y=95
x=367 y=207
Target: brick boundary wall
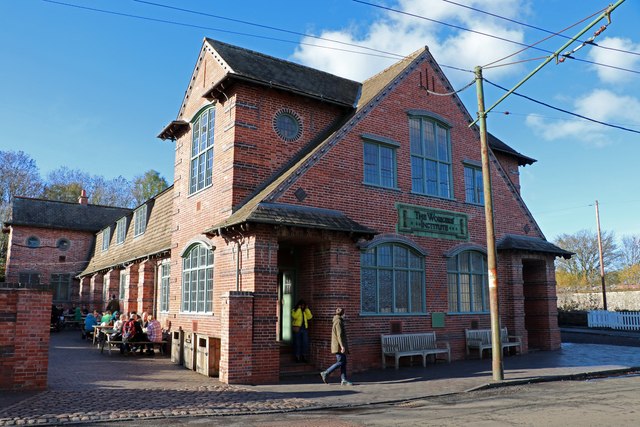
x=25 y=315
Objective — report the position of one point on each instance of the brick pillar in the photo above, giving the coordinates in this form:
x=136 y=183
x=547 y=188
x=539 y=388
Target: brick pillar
x=130 y=301
x=146 y=286
x=236 y=338
x=541 y=310
x=85 y=290
x=24 y=339
x=95 y=292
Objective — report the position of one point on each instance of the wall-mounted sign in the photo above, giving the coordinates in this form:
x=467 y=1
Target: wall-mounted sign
x=429 y=222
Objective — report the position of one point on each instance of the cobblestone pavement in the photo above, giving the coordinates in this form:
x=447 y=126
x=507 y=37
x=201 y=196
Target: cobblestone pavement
x=86 y=386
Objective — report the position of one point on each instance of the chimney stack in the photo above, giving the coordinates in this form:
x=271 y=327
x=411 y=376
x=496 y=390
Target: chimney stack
x=83 y=199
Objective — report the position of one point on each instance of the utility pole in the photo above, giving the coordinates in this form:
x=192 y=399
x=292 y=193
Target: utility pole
x=604 y=289
x=496 y=353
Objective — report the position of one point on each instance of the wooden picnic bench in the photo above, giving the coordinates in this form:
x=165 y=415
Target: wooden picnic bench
x=480 y=339
x=416 y=344
x=110 y=343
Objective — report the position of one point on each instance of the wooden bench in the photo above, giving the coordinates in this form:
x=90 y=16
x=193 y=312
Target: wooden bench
x=109 y=343
x=417 y=344
x=480 y=339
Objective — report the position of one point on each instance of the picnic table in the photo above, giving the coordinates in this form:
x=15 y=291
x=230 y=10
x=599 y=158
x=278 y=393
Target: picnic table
x=98 y=329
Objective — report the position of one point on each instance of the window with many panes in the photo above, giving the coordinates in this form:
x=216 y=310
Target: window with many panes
x=467 y=278
x=140 y=220
x=202 y=151
x=165 y=276
x=29 y=278
x=124 y=284
x=106 y=237
x=61 y=286
x=121 y=230
x=473 y=188
x=430 y=157
x=392 y=280
x=379 y=164
x=197 y=279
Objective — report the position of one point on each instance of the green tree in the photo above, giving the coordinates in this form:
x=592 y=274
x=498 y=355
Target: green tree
x=584 y=266
x=148 y=185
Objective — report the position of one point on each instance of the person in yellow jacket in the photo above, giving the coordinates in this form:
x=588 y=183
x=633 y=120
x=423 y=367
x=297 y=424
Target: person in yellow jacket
x=300 y=324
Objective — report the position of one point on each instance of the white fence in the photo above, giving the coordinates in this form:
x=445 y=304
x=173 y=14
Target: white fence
x=627 y=320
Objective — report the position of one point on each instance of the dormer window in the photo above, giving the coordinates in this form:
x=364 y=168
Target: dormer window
x=121 y=230
x=140 y=220
x=202 y=151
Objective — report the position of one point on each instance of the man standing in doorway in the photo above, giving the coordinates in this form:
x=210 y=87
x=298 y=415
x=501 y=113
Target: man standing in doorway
x=339 y=347
x=114 y=305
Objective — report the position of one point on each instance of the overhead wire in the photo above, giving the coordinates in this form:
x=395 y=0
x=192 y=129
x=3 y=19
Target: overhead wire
x=386 y=55
x=563 y=110
x=458 y=27
x=511 y=113
x=524 y=24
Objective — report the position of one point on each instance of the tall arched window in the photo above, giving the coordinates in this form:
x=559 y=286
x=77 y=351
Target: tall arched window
x=392 y=280
x=467 y=277
x=202 y=150
x=197 y=279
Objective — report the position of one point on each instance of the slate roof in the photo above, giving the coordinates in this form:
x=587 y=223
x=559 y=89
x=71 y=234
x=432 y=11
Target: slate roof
x=155 y=240
x=303 y=216
x=248 y=65
x=497 y=145
x=372 y=91
x=62 y=215
x=531 y=244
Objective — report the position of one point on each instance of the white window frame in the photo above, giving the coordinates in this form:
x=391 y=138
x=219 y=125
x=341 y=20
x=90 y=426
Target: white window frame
x=106 y=238
x=165 y=285
x=202 y=141
x=140 y=221
x=197 y=280
x=121 y=230
x=123 y=285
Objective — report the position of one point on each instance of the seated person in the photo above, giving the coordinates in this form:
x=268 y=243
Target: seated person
x=116 y=335
x=89 y=322
x=132 y=333
x=106 y=318
x=154 y=332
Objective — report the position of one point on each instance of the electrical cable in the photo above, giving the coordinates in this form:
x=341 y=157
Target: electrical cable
x=458 y=27
x=165 y=21
x=524 y=24
x=563 y=110
x=511 y=113
x=430 y=92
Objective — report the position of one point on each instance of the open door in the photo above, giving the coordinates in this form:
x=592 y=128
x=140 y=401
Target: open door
x=285 y=299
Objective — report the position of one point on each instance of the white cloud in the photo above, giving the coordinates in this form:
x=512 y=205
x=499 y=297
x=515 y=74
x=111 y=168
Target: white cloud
x=402 y=34
x=600 y=104
x=616 y=59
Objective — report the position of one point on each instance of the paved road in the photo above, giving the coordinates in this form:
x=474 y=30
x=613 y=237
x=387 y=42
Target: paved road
x=86 y=386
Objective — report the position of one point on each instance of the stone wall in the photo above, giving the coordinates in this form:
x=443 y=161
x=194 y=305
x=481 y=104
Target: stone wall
x=25 y=315
x=616 y=301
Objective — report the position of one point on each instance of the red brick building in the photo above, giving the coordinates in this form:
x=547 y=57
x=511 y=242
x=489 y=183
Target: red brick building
x=51 y=242
x=293 y=183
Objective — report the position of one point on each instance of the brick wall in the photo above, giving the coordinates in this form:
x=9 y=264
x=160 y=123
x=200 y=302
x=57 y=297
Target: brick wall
x=24 y=338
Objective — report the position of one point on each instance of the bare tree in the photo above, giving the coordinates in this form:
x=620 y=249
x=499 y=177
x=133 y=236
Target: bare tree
x=19 y=176
x=66 y=184
x=630 y=251
x=585 y=264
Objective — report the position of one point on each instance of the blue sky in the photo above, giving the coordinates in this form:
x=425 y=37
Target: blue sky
x=91 y=90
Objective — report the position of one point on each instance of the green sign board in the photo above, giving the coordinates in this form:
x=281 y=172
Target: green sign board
x=428 y=222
